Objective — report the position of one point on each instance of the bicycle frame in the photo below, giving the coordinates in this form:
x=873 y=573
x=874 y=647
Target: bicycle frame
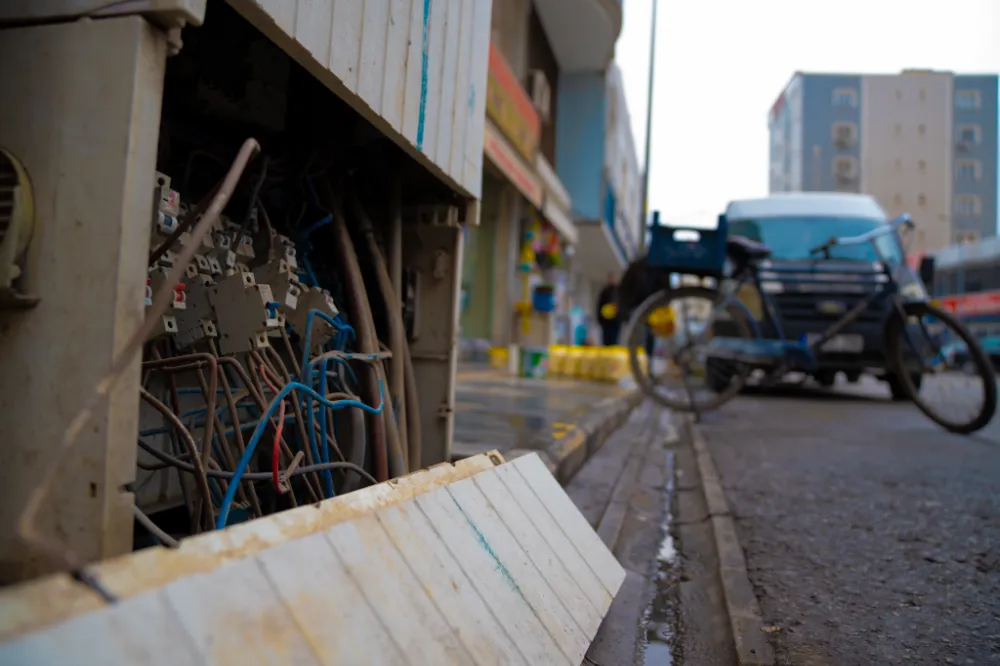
x=888 y=288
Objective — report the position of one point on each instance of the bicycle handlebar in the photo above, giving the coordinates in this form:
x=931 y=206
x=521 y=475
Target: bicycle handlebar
x=902 y=220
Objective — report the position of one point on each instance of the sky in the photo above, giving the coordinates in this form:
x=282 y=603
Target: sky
x=720 y=64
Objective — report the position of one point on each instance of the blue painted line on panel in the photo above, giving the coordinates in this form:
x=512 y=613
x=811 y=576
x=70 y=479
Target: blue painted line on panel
x=500 y=566
x=424 y=46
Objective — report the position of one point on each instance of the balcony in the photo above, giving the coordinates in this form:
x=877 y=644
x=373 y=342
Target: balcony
x=582 y=33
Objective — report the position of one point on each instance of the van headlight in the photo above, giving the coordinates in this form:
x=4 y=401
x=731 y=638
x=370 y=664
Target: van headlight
x=913 y=290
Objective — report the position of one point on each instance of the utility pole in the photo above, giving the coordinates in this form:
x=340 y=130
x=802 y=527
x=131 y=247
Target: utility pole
x=649 y=132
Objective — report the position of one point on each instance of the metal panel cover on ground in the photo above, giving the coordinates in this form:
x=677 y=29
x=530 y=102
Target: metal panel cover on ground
x=415 y=68
x=483 y=562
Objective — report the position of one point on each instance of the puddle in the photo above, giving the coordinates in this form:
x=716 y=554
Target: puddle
x=659 y=621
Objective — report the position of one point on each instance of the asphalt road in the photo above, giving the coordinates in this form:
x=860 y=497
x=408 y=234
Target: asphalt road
x=872 y=536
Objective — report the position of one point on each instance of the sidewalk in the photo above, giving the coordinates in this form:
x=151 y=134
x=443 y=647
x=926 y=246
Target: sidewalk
x=564 y=420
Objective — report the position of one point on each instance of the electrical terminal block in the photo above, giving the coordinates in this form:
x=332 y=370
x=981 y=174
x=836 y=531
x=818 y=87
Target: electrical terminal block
x=197 y=321
x=157 y=277
x=284 y=248
x=165 y=326
x=244 y=248
x=246 y=312
x=204 y=330
x=285 y=285
x=313 y=298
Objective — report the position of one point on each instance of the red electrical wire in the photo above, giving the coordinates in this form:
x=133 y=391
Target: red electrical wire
x=276 y=452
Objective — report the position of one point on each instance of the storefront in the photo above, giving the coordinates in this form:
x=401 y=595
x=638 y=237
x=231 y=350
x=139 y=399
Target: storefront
x=525 y=227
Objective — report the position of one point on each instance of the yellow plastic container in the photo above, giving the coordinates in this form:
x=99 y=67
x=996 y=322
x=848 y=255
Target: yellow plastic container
x=574 y=357
x=589 y=363
x=558 y=355
x=499 y=357
x=617 y=364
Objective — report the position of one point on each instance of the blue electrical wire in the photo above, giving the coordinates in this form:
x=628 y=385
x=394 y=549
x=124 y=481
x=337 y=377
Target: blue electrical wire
x=308 y=335
x=324 y=416
x=244 y=461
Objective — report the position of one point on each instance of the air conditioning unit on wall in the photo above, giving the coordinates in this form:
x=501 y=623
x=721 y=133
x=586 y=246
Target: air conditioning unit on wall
x=541 y=94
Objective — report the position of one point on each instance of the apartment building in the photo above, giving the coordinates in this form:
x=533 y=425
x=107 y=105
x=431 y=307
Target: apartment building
x=922 y=142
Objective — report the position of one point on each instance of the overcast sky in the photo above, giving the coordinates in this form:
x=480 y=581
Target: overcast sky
x=720 y=64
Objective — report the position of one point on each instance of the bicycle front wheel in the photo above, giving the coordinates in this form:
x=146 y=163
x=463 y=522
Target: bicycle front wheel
x=681 y=372
x=942 y=367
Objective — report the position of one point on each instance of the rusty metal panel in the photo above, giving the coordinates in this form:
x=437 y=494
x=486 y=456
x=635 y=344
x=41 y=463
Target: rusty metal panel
x=476 y=563
x=415 y=68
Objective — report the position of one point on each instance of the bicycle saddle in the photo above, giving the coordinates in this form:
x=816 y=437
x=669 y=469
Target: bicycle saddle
x=742 y=250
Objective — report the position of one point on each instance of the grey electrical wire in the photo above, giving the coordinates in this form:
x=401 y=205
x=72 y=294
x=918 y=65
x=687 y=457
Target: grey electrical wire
x=154 y=529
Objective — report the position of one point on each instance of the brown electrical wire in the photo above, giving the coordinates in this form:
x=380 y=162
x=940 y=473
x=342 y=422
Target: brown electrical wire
x=184 y=466
x=397 y=331
x=27 y=525
x=343 y=249
x=281 y=377
x=199 y=466
x=210 y=398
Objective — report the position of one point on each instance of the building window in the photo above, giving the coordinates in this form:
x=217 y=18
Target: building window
x=967 y=205
x=845 y=170
x=922 y=200
x=969 y=171
x=968 y=100
x=845 y=135
x=969 y=135
x=845 y=97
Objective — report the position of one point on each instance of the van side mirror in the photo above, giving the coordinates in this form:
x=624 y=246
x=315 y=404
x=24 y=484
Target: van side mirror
x=723 y=224
x=927 y=272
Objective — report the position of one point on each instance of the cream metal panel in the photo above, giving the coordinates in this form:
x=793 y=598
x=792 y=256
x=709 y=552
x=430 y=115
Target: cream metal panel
x=482 y=562
x=415 y=68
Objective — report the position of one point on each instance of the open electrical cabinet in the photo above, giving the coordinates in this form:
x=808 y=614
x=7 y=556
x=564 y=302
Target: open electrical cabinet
x=276 y=188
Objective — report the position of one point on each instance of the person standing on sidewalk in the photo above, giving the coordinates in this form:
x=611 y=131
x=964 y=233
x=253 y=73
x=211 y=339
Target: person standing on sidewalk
x=607 y=311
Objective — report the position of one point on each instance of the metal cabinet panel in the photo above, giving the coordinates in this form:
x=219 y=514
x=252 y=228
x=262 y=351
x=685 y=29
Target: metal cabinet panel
x=415 y=68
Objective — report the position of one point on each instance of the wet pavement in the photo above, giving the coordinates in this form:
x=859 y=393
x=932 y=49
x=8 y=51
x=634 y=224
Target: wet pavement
x=872 y=536
x=494 y=410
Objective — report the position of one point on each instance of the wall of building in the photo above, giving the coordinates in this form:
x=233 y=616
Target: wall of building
x=831 y=105
x=622 y=164
x=579 y=157
x=785 y=125
x=975 y=169
x=906 y=154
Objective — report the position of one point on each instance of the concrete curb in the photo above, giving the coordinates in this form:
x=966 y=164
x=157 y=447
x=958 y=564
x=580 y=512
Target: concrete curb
x=751 y=645
x=565 y=455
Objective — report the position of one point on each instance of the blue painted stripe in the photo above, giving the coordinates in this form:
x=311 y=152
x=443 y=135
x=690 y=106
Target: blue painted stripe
x=423 y=76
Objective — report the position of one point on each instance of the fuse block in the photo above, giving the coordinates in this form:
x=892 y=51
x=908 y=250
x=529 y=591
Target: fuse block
x=244 y=311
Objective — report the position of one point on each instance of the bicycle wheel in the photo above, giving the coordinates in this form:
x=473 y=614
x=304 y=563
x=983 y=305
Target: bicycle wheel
x=686 y=377
x=926 y=354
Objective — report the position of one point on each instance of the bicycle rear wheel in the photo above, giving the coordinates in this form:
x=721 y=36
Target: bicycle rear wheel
x=928 y=352
x=685 y=377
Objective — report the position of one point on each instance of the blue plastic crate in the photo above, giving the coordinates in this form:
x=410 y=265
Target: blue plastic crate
x=690 y=251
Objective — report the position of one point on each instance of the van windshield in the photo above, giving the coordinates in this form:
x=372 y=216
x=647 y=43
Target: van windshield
x=791 y=238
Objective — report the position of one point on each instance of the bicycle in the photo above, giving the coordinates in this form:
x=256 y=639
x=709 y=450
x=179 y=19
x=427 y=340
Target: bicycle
x=729 y=346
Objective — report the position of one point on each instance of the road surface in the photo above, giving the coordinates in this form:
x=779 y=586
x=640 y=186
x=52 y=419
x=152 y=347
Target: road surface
x=871 y=535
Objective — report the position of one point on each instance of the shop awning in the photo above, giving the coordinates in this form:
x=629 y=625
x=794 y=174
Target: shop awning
x=503 y=156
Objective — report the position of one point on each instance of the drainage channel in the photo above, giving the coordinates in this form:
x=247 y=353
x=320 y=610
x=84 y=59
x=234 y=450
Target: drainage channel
x=660 y=621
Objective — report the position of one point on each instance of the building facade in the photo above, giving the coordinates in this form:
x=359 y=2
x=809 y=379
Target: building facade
x=532 y=235
x=921 y=142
